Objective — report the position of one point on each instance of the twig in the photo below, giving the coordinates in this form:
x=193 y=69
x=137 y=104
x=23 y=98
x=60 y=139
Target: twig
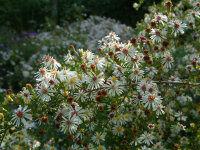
x=177 y=82
x=3 y=136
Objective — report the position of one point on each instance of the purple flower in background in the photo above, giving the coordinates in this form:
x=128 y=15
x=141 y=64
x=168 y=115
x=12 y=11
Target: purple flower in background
x=33 y=34
x=1 y=45
x=2 y=27
x=8 y=49
x=25 y=33
x=17 y=38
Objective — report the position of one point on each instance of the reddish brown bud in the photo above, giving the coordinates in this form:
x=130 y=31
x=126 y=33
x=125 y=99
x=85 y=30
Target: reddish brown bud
x=70 y=99
x=9 y=92
x=113 y=107
x=153 y=23
x=148 y=30
x=165 y=43
x=168 y=4
x=41 y=132
x=28 y=85
x=83 y=67
x=98 y=99
x=44 y=119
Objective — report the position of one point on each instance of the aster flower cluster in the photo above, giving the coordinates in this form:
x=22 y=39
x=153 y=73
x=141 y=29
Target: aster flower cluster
x=127 y=97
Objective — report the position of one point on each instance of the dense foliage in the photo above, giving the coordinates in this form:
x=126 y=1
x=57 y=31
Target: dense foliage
x=140 y=94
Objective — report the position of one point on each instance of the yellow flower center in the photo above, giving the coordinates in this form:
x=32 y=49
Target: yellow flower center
x=27 y=101
x=98 y=137
x=86 y=112
x=119 y=117
x=99 y=148
x=119 y=129
x=72 y=80
x=127 y=115
x=1 y=115
x=79 y=76
x=54 y=72
x=19 y=95
x=66 y=93
x=114 y=79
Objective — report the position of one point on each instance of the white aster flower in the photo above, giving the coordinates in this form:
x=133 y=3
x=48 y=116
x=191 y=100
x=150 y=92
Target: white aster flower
x=20 y=115
x=98 y=137
x=146 y=138
x=151 y=100
x=70 y=124
x=180 y=116
x=95 y=81
x=177 y=27
x=137 y=74
x=114 y=88
x=118 y=130
x=157 y=35
x=167 y=60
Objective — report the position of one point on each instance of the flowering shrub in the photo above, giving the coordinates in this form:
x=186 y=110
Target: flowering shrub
x=21 y=54
x=132 y=95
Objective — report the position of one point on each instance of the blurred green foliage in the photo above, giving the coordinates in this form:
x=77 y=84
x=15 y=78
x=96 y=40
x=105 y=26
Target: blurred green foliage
x=29 y=14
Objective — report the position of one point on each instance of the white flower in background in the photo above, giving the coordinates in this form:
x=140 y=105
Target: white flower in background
x=151 y=126
x=180 y=116
x=151 y=100
x=42 y=71
x=44 y=92
x=70 y=124
x=159 y=109
x=36 y=144
x=142 y=86
x=50 y=62
x=98 y=137
x=145 y=148
x=175 y=129
x=21 y=115
x=74 y=147
x=112 y=37
x=69 y=59
x=152 y=71
x=72 y=82
x=167 y=60
x=177 y=27
x=119 y=119
x=100 y=147
x=76 y=111
x=137 y=74
x=26 y=94
x=88 y=55
x=135 y=141
x=158 y=35
x=114 y=88
x=189 y=68
x=80 y=95
x=118 y=70
x=118 y=130
x=146 y=138
x=95 y=81
x=174 y=79
x=160 y=18
x=98 y=62
x=128 y=51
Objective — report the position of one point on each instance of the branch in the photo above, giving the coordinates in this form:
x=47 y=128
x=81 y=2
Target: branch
x=177 y=82
x=3 y=136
